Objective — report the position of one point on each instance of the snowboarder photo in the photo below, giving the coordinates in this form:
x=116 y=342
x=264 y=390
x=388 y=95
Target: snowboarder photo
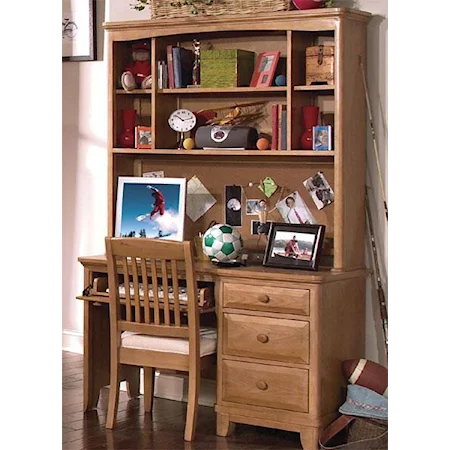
x=151 y=207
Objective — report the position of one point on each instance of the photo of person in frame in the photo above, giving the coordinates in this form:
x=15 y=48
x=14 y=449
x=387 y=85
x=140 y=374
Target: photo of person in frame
x=293 y=245
x=145 y=137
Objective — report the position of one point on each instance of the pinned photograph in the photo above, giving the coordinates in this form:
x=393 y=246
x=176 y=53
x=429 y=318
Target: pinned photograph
x=258 y=228
x=150 y=207
x=252 y=207
x=154 y=174
x=294 y=210
x=320 y=190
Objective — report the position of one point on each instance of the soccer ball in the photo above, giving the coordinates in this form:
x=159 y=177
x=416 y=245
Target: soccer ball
x=222 y=243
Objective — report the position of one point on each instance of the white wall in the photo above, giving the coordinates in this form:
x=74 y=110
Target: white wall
x=377 y=79
x=85 y=165
x=84 y=182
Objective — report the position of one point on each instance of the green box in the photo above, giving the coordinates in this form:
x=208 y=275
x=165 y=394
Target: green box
x=226 y=68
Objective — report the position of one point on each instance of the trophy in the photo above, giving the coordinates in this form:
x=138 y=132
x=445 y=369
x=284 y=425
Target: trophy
x=196 y=67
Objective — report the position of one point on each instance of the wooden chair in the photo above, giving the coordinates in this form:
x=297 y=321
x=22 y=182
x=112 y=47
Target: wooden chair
x=152 y=331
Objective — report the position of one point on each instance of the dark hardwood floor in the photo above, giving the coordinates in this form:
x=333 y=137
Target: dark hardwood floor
x=163 y=429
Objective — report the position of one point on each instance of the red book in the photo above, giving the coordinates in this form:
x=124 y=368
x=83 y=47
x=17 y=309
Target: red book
x=274 y=127
x=170 y=67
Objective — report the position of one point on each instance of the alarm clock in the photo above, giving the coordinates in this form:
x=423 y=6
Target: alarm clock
x=182 y=120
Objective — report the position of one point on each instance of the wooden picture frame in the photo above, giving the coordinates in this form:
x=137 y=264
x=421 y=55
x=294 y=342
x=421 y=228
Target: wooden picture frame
x=265 y=67
x=294 y=246
x=143 y=137
x=78 y=30
x=151 y=208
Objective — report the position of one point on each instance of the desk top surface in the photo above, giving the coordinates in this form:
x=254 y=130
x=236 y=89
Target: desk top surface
x=206 y=271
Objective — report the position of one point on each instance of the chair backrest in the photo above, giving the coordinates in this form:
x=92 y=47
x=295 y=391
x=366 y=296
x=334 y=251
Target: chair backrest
x=152 y=302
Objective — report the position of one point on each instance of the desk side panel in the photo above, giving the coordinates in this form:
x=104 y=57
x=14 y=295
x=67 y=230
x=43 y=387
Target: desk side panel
x=341 y=336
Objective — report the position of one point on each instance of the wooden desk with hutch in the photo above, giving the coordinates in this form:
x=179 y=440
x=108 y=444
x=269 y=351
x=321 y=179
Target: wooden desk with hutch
x=282 y=333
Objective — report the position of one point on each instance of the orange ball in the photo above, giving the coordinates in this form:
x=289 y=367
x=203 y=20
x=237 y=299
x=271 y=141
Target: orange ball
x=262 y=143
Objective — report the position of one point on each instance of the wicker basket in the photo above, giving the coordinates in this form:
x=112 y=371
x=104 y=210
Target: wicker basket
x=161 y=9
x=363 y=434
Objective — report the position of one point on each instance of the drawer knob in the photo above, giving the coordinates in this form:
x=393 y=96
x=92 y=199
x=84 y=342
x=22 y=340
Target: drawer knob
x=263 y=338
x=262 y=385
x=264 y=298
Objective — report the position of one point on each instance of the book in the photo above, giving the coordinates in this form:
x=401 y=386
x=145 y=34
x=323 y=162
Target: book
x=165 y=82
x=322 y=137
x=280 y=110
x=282 y=127
x=176 y=66
x=283 y=130
x=170 y=66
x=187 y=66
x=274 y=126
x=160 y=76
x=183 y=60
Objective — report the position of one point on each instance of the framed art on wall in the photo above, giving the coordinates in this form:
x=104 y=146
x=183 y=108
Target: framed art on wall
x=151 y=207
x=78 y=30
x=294 y=246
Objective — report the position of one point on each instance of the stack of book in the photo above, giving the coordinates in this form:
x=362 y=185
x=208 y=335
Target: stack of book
x=180 y=62
x=279 y=127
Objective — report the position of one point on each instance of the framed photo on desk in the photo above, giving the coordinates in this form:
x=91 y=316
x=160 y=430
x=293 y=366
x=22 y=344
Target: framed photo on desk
x=151 y=207
x=294 y=246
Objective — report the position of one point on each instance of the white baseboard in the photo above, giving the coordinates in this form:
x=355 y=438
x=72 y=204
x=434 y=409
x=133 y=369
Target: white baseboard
x=171 y=387
x=72 y=341
x=207 y=395
x=175 y=387
x=168 y=386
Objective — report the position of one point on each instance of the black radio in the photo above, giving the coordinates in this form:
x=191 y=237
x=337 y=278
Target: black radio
x=238 y=137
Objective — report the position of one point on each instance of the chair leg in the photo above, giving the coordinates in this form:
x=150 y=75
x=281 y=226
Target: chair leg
x=113 y=401
x=191 y=415
x=149 y=387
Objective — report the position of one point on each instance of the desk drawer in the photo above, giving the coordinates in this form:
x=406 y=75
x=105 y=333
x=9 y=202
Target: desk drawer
x=266 y=298
x=261 y=385
x=266 y=338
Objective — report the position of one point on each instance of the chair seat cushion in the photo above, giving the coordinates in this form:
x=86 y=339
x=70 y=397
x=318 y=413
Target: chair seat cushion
x=208 y=342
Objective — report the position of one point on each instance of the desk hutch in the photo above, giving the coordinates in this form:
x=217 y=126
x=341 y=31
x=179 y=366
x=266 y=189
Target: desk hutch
x=282 y=333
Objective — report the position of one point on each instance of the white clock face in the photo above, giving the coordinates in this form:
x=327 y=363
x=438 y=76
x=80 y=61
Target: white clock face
x=182 y=120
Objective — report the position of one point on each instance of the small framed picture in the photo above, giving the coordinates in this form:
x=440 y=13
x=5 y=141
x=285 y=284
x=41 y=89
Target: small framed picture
x=266 y=65
x=294 y=246
x=143 y=137
x=322 y=137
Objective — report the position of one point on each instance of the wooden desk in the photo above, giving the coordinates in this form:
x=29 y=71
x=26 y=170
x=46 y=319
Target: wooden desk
x=282 y=337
